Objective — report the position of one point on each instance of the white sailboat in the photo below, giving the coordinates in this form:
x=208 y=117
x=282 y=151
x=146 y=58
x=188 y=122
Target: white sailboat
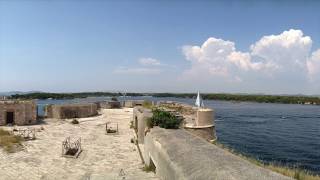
x=199 y=101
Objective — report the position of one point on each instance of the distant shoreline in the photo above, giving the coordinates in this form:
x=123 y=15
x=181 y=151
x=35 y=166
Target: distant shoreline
x=283 y=99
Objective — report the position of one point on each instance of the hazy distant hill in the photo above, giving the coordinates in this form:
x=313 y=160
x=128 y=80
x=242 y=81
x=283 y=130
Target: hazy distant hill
x=17 y=92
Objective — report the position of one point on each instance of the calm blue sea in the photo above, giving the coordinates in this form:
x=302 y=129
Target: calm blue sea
x=278 y=133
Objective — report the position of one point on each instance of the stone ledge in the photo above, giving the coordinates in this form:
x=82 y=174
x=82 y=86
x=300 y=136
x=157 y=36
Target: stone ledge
x=180 y=155
x=191 y=126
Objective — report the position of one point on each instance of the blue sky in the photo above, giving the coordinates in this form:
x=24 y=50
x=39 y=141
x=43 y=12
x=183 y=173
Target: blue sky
x=160 y=46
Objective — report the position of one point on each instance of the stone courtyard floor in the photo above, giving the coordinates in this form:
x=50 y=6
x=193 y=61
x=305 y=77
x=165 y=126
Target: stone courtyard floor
x=103 y=156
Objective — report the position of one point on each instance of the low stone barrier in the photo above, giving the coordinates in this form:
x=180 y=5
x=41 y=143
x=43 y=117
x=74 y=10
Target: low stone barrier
x=140 y=116
x=108 y=104
x=177 y=154
x=132 y=103
x=67 y=111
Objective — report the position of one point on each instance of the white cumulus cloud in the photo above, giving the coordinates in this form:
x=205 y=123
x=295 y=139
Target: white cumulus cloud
x=243 y=61
x=290 y=48
x=210 y=57
x=285 y=56
x=313 y=65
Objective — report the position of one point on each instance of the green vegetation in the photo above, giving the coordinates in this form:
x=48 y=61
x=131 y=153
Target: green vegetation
x=68 y=95
x=163 y=119
x=295 y=173
x=187 y=110
x=246 y=97
x=209 y=96
x=149 y=122
x=131 y=125
x=149 y=168
x=147 y=104
x=9 y=142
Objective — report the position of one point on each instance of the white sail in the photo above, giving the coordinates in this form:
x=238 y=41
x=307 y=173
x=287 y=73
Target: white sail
x=199 y=102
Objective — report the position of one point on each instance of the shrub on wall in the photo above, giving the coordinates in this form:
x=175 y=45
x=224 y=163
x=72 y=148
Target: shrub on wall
x=163 y=119
x=150 y=122
x=147 y=104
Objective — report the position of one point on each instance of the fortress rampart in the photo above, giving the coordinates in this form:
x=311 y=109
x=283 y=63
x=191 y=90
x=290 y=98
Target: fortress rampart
x=185 y=153
x=179 y=155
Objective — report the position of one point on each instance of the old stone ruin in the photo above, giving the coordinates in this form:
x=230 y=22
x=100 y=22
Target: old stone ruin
x=18 y=112
x=82 y=110
x=69 y=111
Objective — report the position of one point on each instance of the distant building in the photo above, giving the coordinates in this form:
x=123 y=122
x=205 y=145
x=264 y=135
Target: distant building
x=16 y=112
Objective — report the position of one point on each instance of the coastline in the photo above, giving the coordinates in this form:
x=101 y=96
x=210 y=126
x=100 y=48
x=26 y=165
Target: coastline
x=296 y=173
x=259 y=98
x=255 y=122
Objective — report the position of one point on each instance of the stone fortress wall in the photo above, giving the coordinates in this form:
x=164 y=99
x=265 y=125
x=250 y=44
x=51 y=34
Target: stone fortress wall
x=132 y=103
x=185 y=153
x=178 y=155
x=108 y=104
x=18 y=112
x=67 y=111
x=140 y=116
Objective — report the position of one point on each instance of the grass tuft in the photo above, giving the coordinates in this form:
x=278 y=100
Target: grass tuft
x=10 y=142
x=147 y=104
x=148 y=168
x=131 y=125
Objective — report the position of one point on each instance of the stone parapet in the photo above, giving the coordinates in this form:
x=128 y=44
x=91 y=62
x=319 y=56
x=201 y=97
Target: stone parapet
x=140 y=116
x=179 y=155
